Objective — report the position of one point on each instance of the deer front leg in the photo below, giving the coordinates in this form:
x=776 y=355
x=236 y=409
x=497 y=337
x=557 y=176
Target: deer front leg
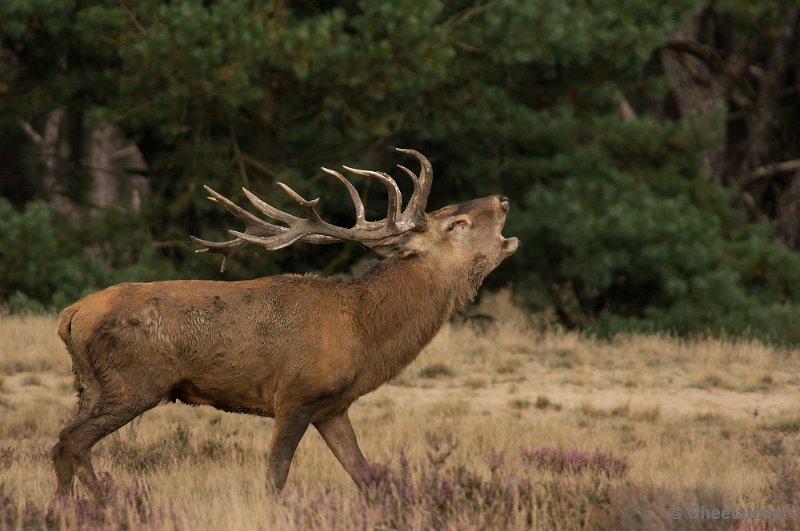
x=337 y=431
x=286 y=434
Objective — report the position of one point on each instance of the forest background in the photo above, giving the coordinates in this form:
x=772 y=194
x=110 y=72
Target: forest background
x=650 y=149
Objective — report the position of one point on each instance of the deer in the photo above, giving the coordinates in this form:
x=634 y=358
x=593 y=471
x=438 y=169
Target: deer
x=300 y=349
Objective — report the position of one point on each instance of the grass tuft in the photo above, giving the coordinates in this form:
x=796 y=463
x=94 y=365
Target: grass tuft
x=436 y=370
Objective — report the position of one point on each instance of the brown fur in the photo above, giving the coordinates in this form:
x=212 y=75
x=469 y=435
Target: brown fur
x=300 y=349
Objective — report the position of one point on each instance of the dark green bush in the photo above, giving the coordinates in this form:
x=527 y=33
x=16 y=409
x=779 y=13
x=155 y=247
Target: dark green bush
x=644 y=243
x=47 y=263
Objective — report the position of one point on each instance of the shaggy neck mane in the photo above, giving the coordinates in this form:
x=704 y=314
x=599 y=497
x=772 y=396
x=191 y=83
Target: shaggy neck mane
x=403 y=304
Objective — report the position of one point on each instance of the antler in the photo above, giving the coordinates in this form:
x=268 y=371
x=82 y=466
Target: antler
x=313 y=229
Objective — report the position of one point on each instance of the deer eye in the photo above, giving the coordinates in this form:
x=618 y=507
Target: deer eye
x=460 y=223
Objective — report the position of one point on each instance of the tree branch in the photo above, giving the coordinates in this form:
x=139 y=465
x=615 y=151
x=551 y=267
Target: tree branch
x=131 y=16
x=259 y=166
x=769 y=170
x=30 y=131
x=238 y=154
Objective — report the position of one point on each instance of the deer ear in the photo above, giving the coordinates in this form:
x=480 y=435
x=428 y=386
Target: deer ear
x=405 y=244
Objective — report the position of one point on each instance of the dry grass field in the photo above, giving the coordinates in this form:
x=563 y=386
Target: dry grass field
x=506 y=424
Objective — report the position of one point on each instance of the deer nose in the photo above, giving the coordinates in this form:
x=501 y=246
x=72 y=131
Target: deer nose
x=504 y=204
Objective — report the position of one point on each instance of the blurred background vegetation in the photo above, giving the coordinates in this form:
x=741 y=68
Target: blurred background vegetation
x=650 y=148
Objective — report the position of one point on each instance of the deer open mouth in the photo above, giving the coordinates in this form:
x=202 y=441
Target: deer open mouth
x=506 y=244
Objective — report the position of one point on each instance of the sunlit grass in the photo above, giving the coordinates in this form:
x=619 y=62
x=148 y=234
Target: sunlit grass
x=547 y=429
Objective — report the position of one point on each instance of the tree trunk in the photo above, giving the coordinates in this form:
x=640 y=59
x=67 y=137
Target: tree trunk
x=752 y=77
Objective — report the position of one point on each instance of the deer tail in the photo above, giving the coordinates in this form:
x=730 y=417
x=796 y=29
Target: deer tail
x=86 y=383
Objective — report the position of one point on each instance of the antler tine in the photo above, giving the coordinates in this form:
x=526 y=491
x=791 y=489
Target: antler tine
x=224 y=248
x=354 y=197
x=233 y=208
x=271 y=243
x=307 y=204
x=395 y=197
x=414 y=179
x=254 y=225
x=215 y=247
x=415 y=210
x=268 y=209
x=410 y=173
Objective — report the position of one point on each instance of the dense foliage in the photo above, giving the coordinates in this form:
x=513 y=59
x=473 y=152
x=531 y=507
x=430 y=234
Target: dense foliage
x=621 y=226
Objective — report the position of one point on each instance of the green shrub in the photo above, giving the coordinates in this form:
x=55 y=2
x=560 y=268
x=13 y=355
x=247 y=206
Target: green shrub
x=643 y=243
x=46 y=263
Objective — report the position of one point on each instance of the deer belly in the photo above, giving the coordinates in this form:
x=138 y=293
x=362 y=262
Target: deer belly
x=250 y=401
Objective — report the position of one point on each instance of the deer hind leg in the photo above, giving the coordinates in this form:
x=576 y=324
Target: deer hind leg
x=110 y=413
x=88 y=394
x=63 y=461
x=337 y=431
x=65 y=469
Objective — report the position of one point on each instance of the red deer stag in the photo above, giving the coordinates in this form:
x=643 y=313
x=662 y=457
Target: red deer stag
x=297 y=348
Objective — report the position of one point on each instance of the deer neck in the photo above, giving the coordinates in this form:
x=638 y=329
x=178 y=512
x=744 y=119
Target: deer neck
x=404 y=303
